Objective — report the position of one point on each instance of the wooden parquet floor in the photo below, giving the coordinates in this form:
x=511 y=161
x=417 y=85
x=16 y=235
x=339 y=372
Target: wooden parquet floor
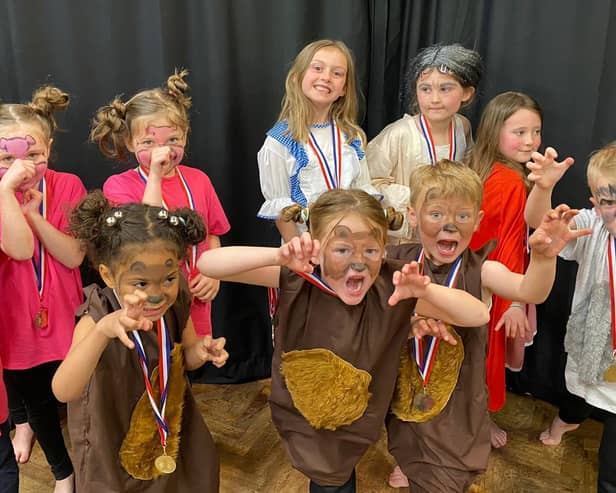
x=253 y=461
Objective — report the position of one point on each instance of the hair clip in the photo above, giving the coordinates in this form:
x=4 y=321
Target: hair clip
x=444 y=69
x=163 y=214
x=175 y=220
x=304 y=214
x=113 y=218
x=385 y=213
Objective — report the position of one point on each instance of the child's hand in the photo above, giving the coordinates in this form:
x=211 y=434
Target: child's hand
x=31 y=202
x=213 y=350
x=554 y=232
x=422 y=326
x=515 y=322
x=545 y=170
x=129 y=317
x=204 y=288
x=297 y=253
x=160 y=161
x=19 y=172
x=408 y=283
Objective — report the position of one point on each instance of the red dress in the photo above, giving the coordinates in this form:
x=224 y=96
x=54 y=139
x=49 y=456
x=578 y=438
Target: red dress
x=504 y=199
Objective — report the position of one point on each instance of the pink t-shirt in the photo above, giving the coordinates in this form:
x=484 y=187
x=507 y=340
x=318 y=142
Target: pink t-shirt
x=130 y=187
x=22 y=344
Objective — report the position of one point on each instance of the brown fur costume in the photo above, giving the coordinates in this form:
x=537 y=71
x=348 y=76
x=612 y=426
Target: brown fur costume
x=442 y=381
x=327 y=390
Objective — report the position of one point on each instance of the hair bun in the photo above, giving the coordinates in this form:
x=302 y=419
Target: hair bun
x=178 y=88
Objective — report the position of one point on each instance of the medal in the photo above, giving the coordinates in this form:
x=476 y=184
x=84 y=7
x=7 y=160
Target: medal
x=425 y=354
x=40 y=321
x=332 y=177
x=429 y=140
x=40 y=264
x=610 y=373
x=423 y=402
x=164 y=464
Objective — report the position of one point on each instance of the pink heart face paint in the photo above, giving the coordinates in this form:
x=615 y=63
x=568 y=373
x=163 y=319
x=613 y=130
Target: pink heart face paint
x=155 y=136
x=25 y=148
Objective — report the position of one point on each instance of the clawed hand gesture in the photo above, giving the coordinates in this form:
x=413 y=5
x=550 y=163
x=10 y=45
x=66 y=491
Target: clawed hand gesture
x=408 y=282
x=545 y=171
x=213 y=350
x=32 y=199
x=161 y=160
x=555 y=232
x=129 y=317
x=423 y=326
x=298 y=253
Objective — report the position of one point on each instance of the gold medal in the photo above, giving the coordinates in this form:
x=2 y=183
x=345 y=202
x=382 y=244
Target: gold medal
x=610 y=374
x=40 y=320
x=164 y=464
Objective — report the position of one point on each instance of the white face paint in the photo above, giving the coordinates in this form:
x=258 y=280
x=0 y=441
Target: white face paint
x=604 y=200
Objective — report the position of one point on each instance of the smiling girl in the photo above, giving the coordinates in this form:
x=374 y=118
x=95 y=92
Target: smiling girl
x=316 y=145
x=132 y=344
x=508 y=133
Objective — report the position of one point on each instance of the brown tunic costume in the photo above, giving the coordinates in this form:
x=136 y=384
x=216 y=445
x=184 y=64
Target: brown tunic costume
x=369 y=336
x=99 y=420
x=445 y=453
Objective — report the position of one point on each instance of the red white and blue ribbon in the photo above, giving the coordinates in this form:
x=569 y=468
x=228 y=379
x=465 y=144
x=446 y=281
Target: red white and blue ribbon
x=429 y=140
x=611 y=254
x=40 y=266
x=164 y=364
x=425 y=354
x=332 y=177
x=191 y=265
x=315 y=280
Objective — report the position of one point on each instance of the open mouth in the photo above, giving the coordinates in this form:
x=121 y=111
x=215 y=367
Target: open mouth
x=446 y=247
x=322 y=88
x=354 y=284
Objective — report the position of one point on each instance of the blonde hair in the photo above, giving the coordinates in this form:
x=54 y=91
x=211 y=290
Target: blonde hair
x=296 y=107
x=446 y=179
x=602 y=163
x=338 y=202
x=485 y=152
x=40 y=111
x=112 y=124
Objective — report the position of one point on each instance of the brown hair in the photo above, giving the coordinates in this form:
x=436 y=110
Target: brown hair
x=485 y=152
x=112 y=124
x=602 y=163
x=334 y=203
x=40 y=111
x=296 y=107
x=446 y=179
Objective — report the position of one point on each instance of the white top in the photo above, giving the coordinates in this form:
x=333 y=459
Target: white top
x=590 y=252
x=395 y=152
x=285 y=182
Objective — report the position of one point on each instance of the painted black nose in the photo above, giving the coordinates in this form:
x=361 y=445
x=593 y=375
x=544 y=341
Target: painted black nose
x=358 y=267
x=450 y=228
x=154 y=300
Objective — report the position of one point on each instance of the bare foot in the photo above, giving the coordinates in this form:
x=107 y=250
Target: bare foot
x=498 y=436
x=22 y=442
x=66 y=485
x=554 y=434
x=397 y=479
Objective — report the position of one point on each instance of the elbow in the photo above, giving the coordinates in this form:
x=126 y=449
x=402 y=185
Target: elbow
x=483 y=315
x=61 y=395
x=25 y=251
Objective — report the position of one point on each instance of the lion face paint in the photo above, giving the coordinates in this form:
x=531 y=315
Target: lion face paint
x=351 y=258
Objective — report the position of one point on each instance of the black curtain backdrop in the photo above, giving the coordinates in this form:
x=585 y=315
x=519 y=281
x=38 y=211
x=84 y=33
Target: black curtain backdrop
x=562 y=52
